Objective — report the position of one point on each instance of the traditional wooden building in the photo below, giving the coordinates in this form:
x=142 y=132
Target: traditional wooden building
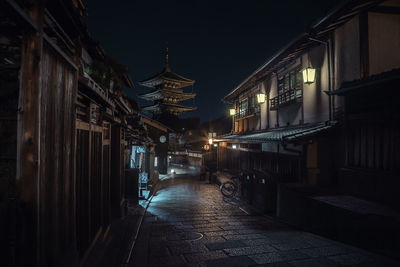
x=166 y=93
x=64 y=130
x=158 y=133
x=318 y=115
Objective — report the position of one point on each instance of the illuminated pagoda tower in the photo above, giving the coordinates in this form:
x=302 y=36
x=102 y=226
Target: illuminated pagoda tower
x=166 y=93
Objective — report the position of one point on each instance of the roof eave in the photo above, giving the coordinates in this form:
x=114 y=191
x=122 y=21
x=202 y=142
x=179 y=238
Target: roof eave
x=311 y=32
x=266 y=64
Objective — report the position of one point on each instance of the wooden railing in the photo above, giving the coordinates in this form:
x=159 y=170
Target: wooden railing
x=288 y=97
x=247 y=112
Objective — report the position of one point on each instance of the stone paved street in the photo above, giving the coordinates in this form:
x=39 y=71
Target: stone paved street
x=188 y=223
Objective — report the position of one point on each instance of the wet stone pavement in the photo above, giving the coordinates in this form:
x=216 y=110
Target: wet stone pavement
x=188 y=223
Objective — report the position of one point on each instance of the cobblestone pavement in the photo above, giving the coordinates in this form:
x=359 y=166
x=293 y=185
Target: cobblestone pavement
x=188 y=223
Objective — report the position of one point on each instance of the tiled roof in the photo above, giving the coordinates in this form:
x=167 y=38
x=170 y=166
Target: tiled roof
x=158 y=106
x=285 y=134
x=166 y=75
x=373 y=81
x=318 y=31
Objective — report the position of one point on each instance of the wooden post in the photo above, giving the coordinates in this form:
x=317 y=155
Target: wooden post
x=28 y=148
x=72 y=219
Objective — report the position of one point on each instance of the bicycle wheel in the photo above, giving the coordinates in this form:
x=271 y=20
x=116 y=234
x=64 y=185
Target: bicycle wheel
x=228 y=189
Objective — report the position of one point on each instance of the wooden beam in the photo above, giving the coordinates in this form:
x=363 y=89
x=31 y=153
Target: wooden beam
x=24 y=15
x=28 y=138
x=59 y=51
x=153 y=123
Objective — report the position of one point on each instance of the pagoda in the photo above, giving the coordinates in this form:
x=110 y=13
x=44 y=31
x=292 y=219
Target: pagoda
x=166 y=93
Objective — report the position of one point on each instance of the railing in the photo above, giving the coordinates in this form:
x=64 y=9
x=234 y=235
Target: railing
x=288 y=97
x=247 y=112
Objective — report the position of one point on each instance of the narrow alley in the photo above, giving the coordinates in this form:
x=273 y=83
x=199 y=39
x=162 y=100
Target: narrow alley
x=188 y=223
x=199 y=133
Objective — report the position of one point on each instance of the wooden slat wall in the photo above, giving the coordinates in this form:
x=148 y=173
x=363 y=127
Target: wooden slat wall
x=82 y=188
x=95 y=184
x=106 y=186
x=92 y=200
x=56 y=201
x=373 y=145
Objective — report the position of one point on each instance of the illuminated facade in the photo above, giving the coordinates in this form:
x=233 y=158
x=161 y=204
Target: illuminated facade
x=329 y=115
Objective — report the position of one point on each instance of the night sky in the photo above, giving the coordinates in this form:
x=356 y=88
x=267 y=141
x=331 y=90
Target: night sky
x=216 y=43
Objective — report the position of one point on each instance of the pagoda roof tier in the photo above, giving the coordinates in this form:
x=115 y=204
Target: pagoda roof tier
x=167 y=78
x=172 y=108
x=179 y=95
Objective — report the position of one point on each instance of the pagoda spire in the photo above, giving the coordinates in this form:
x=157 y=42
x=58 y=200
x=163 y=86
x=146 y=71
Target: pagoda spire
x=167 y=68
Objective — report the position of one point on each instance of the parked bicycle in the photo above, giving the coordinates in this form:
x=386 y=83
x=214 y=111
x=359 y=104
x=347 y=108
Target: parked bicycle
x=230 y=188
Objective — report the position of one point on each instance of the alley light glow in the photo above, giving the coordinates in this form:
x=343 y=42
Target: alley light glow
x=232 y=111
x=210 y=141
x=308 y=75
x=260 y=98
x=215 y=145
x=234 y=146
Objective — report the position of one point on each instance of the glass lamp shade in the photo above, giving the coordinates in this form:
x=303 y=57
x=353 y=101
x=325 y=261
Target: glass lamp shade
x=308 y=75
x=232 y=112
x=260 y=98
x=210 y=141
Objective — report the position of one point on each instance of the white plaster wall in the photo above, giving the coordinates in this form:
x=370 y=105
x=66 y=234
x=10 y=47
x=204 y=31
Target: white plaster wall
x=315 y=100
x=346 y=63
x=263 y=110
x=272 y=93
x=290 y=115
x=384 y=42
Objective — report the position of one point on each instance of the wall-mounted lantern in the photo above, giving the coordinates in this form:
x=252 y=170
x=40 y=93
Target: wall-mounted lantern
x=309 y=75
x=232 y=111
x=260 y=98
x=210 y=141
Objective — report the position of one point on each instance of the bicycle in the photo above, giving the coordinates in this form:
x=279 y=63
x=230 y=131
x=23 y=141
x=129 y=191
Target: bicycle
x=230 y=188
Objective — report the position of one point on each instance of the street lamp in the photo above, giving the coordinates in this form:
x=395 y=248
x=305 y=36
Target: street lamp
x=309 y=72
x=260 y=98
x=308 y=75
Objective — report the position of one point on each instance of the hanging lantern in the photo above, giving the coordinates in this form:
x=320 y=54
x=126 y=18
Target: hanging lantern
x=308 y=75
x=232 y=112
x=260 y=98
x=210 y=141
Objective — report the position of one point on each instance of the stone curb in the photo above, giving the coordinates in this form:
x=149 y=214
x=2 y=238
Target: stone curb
x=135 y=235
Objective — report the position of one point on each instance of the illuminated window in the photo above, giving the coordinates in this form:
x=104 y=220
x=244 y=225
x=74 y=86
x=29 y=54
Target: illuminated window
x=291 y=80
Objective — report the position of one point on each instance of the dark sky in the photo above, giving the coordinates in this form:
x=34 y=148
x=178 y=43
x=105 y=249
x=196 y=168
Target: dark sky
x=216 y=43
